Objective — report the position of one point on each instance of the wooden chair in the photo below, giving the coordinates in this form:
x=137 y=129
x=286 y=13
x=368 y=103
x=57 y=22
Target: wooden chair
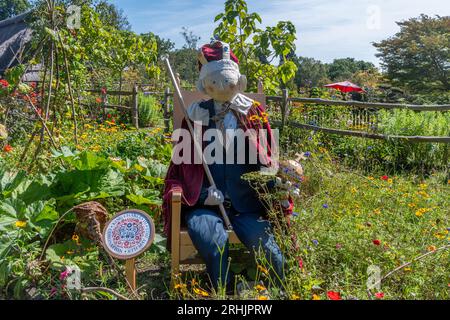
x=183 y=250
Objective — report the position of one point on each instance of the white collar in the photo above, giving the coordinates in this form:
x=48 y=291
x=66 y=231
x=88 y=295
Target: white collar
x=239 y=103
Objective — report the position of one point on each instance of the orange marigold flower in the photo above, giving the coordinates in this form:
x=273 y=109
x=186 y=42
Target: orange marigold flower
x=7 y=148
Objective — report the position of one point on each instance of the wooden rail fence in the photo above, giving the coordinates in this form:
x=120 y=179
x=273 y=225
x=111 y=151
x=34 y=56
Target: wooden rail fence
x=365 y=110
x=286 y=107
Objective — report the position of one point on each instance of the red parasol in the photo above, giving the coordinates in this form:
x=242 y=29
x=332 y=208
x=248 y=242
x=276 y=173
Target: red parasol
x=345 y=86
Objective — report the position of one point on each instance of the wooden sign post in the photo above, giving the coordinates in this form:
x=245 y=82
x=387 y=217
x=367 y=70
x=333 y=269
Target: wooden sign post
x=127 y=235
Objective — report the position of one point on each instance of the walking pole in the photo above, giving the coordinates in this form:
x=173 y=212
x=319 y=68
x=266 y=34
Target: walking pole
x=197 y=146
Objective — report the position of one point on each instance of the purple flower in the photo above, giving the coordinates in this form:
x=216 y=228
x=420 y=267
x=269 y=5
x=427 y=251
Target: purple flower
x=295 y=214
x=325 y=206
x=307 y=154
x=316 y=242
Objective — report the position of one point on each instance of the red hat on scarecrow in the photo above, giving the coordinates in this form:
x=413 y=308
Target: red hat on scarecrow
x=216 y=56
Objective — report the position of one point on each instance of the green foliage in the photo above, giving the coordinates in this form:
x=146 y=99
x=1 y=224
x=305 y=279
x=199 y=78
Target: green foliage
x=344 y=69
x=11 y=8
x=422 y=63
x=150 y=114
x=256 y=48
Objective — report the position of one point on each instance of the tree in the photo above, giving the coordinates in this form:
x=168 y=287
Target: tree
x=257 y=48
x=344 y=69
x=418 y=56
x=11 y=8
x=112 y=15
x=311 y=72
x=185 y=59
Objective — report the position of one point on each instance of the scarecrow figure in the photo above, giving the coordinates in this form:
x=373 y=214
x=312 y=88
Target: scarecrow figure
x=227 y=112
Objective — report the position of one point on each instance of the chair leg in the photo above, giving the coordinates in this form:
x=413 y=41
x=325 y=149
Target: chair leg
x=176 y=225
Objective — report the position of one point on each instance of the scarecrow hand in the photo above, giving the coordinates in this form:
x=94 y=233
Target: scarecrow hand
x=215 y=197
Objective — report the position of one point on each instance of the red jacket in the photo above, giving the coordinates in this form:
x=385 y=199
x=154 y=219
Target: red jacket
x=189 y=177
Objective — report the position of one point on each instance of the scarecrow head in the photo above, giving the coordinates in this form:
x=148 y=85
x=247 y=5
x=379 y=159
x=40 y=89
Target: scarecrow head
x=219 y=72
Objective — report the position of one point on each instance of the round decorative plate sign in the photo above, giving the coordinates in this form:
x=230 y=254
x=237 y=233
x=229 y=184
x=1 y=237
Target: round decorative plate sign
x=128 y=234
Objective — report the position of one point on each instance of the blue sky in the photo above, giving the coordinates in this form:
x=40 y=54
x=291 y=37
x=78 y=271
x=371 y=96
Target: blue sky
x=325 y=29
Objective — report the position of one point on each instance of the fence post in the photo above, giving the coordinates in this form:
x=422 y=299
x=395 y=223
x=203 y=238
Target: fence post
x=135 y=108
x=104 y=102
x=260 y=86
x=166 y=110
x=284 y=107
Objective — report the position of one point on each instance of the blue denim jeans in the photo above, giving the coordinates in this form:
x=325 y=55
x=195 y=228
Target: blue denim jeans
x=208 y=233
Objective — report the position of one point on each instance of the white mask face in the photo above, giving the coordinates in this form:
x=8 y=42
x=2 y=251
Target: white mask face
x=222 y=85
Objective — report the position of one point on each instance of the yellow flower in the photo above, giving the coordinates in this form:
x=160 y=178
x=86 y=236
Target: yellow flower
x=263 y=298
x=264 y=114
x=431 y=248
x=21 y=224
x=422 y=211
x=295 y=297
x=260 y=288
x=371 y=178
x=377 y=211
x=412 y=205
x=315 y=297
x=263 y=270
x=179 y=286
x=75 y=238
x=201 y=292
x=390 y=181
x=354 y=190
x=408 y=269
x=254 y=118
x=423 y=186
x=441 y=235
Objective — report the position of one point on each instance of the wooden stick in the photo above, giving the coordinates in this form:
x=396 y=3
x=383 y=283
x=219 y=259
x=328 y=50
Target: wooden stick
x=197 y=146
x=130 y=272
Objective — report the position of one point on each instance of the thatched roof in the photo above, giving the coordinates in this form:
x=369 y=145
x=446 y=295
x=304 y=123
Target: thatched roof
x=14 y=35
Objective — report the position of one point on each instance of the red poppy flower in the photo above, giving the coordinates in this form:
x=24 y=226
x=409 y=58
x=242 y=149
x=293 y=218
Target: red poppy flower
x=300 y=263
x=385 y=178
x=333 y=295
x=108 y=116
x=376 y=242
x=4 y=83
x=379 y=295
x=7 y=148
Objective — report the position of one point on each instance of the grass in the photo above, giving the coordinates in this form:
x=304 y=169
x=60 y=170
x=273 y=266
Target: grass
x=346 y=221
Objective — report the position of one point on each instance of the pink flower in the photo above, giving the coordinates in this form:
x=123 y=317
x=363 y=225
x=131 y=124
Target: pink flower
x=338 y=246
x=63 y=275
x=53 y=291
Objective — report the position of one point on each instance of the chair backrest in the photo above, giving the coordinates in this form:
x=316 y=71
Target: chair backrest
x=193 y=96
